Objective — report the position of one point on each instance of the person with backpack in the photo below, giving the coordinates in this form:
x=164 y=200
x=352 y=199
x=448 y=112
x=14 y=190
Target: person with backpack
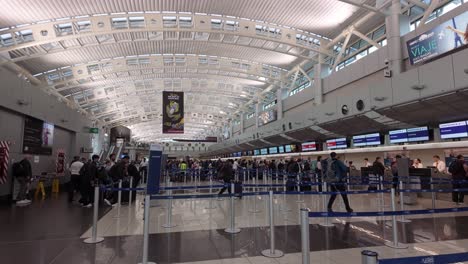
x=74 y=185
x=226 y=173
x=335 y=175
x=22 y=171
x=89 y=175
x=458 y=170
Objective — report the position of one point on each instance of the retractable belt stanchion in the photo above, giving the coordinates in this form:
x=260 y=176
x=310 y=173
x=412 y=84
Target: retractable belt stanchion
x=94 y=239
x=395 y=243
x=211 y=205
x=131 y=192
x=433 y=196
x=254 y=209
x=402 y=205
x=146 y=231
x=382 y=196
x=285 y=207
x=119 y=200
x=324 y=207
x=299 y=197
x=272 y=252
x=232 y=228
x=369 y=257
x=305 y=239
x=245 y=175
x=169 y=223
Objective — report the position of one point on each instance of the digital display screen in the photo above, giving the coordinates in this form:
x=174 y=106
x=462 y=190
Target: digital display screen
x=453 y=130
x=398 y=136
x=38 y=137
x=339 y=143
x=309 y=146
x=417 y=134
x=373 y=139
x=438 y=40
x=287 y=148
x=256 y=152
x=266 y=117
x=281 y=149
x=264 y=151
x=359 y=141
x=273 y=150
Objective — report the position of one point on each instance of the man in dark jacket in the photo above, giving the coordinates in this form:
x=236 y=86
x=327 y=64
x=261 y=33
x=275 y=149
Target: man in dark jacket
x=89 y=176
x=458 y=171
x=23 y=174
x=339 y=186
x=226 y=173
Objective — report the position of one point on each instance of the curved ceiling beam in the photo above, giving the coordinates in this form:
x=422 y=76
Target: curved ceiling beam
x=78 y=32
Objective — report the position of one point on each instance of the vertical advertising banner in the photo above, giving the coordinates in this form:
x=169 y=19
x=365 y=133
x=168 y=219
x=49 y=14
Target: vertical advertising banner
x=38 y=137
x=4 y=159
x=154 y=169
x=60 y=163
x=173 y=112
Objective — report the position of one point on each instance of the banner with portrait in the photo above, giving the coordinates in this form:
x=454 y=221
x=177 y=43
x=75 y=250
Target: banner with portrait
x=173 y=112
x=60 y=163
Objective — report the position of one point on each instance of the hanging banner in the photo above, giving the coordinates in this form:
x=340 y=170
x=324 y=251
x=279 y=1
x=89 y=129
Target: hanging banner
x=60 y=163
x=154 y=169
x=173 y=112
x=4 y=160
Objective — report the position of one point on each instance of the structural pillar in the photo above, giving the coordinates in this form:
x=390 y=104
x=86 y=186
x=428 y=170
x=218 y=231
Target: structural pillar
x=394 y=26
x=279 y=104
x=242 y=115
x=257 y=112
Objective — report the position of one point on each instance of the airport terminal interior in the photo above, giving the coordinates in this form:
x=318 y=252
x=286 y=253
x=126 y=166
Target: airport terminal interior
x=233 y=131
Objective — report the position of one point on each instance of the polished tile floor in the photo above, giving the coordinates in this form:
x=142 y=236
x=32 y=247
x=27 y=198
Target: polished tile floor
x=51 y=231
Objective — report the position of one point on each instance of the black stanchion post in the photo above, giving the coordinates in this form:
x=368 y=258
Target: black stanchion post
x=272 y=252
x=232 y=229
x=94 y=239
x=305 y=236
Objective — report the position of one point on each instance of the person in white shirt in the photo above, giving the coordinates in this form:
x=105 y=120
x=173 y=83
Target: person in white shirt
x=367 y=163
x=74 y=184
x=438 y=164
x=417 y=164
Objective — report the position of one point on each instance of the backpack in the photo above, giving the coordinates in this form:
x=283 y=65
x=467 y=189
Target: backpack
x=330 y=173
x=453 y=168
x=18 y=170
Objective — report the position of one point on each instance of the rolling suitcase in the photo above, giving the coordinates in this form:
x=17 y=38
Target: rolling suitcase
x=306 y=184
x=238 y=189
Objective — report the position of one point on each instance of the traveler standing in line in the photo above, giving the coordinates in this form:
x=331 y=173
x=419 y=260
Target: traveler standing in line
x=458 y=170
x=367 y=163
x=112 y=159
x=226 y=173
x=22 y=171
x=74 y=184
x=89 y=177
x=378 y=168
x=335 y=175
x=438 y=164
x=318 y=172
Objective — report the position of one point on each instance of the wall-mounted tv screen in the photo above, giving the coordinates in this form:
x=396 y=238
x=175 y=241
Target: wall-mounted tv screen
x=338 y=143
x=266 y=117
x=359 y=141
x=373 y=139
x=264 y=151
x=398 y=136
x=417 y=134
x=454 y=130
x=309 y=146
x=273 y=150
x=256 y=152
x=38 y=137
x=281 y=149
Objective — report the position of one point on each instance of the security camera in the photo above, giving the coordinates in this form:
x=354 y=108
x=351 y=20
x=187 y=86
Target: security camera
x=387 y=61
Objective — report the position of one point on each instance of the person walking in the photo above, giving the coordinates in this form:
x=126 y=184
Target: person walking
x=22 y=171
x=74 y=184
x=335 y=175
x=226 y=173
x=458 y=170
x=88 y=177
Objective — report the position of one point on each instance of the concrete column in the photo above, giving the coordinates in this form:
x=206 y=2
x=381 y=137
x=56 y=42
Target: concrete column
x=320 y=71
x=279 y=104
x=242 y=115
x=257 y=112
x=392 y=23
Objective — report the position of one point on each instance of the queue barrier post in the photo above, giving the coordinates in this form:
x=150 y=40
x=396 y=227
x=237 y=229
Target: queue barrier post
x=272 y=252
x=254 y=209
x=305 y=236
x=211 y=205
x=94 y=239
x=232 y=225
x=402 y=205
x=369 y=257
x=119 y=200
x=433 y=196
x=169 y=223
x=146 y=231
x=131 y=192
x=326 y=223
x=285 y=207
x=299 y=197
x=395 y=244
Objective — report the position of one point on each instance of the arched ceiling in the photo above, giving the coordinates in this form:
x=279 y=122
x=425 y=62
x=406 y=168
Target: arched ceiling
x=113 y=59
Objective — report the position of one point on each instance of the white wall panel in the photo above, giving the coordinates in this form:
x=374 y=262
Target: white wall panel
x=402 y=83
x=460 y=65
x=437 y=76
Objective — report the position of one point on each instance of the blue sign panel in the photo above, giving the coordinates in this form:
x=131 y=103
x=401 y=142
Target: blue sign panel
x=154 y=169
x=443 y=38
x=453 y=130
x=418 y=134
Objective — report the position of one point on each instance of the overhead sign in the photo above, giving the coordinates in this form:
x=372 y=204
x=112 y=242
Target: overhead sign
x=94 y=130
x=443 y=38
x=173 y=112
x=154 y=169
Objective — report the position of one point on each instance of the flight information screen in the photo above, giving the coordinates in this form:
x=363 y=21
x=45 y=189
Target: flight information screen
x=398 y=136
x=417 y=134
x=453 y=130
x=338 y=143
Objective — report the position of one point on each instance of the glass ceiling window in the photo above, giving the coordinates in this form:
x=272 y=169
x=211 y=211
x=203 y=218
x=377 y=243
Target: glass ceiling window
x=169 y=21
x=185 y=22
x=63 y=29
x=119 y=23
x=137 y=22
